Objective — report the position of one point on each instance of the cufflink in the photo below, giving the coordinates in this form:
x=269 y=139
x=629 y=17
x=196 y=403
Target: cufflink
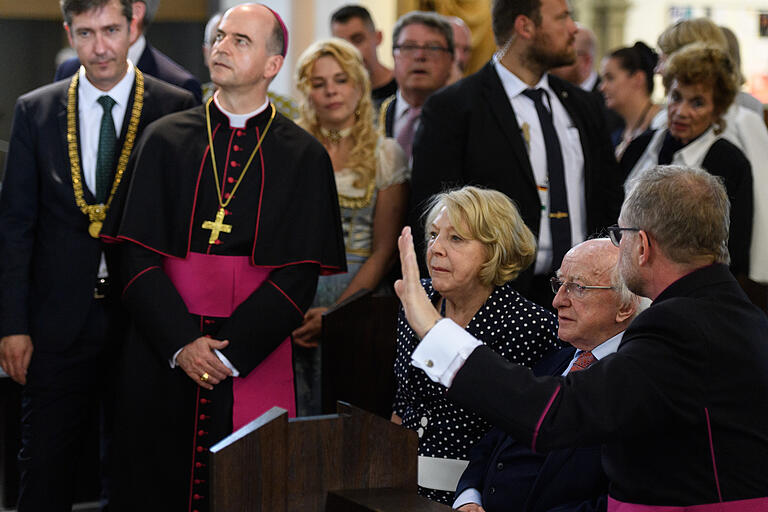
x=429 y=363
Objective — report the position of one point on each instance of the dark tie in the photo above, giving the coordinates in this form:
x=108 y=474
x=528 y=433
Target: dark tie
x=559 y=222
x=582 y=362
x=405 y=137
x=105 y=156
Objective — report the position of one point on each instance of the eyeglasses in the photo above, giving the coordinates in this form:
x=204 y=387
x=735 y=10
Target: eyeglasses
x=409 y=50
x=614 y=232
x=574 y=289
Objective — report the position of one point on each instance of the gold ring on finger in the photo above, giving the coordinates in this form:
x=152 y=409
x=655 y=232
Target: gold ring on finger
x=204 y=377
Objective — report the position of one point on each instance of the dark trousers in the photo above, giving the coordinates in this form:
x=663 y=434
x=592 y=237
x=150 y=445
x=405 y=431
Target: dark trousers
x=67 y=393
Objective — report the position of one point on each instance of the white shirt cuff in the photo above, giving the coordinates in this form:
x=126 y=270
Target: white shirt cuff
x=221 y=357
x=468 y=496
x=443 y=351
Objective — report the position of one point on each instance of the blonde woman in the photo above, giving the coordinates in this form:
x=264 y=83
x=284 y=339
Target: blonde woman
x=477 y=244
x=371 y=178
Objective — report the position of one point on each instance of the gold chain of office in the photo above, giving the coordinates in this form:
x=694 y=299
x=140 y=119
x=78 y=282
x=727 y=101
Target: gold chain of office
x=98 y=212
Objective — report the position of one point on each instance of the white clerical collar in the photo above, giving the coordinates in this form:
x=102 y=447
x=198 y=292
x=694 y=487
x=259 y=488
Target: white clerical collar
x=89 y=93
x=239 y=120
x=590 y=82
x=512 y=84
x=137 y=48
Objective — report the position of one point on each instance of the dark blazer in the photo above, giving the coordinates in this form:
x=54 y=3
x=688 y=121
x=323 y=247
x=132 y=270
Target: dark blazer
x=152 y=62
x=48 y=261
x=681 y=408
x=512 y=477
x=388 y=113
x=469 y=135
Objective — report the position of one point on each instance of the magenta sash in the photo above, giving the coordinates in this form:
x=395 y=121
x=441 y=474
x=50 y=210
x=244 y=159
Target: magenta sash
x=214 y=286
x=751 y=505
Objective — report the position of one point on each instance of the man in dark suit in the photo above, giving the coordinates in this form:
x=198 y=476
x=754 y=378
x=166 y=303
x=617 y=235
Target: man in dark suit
x=514 y=128
x=681 y=408
x=147 y=58
x=506 y=475
x=59 y=317
x=422 y=46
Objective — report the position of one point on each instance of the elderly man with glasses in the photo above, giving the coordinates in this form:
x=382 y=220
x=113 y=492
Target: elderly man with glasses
x=594 y=307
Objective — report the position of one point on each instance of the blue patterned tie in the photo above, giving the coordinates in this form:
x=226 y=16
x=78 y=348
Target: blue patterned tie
x=559 y=221
x=105 y=156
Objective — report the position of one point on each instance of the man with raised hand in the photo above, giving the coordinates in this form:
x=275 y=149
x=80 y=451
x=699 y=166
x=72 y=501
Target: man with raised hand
x=681 y=407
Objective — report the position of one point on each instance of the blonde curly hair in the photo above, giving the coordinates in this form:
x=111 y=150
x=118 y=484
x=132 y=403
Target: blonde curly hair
x=364 y=136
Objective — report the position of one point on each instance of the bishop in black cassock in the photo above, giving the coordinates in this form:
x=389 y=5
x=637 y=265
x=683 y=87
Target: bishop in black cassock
x=223 y=240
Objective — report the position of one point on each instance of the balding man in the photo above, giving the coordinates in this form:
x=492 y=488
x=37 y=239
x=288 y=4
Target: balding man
x=682 y=407
x=462 y=48
x=232 y=215
x=594 y=307
x=582 y=71
x=582 y=74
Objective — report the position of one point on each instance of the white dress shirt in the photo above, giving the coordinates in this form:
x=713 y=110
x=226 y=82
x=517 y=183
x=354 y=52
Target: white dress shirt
x=590 y=82
x=472 y=495
x=90 y=112
x=573 y=159
x=137 y=48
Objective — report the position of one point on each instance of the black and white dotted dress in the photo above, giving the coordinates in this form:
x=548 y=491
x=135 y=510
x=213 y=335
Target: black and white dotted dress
x=511 y=325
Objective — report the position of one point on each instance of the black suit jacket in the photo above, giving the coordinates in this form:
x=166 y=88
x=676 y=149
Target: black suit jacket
x=152 y=62
x=48 y=261
x=469 y=135
x=388 y=114
x=681 y=408
x=511 y=477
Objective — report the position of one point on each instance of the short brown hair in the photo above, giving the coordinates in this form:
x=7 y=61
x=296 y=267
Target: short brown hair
x=491 y=218
x=70 y=8
x=699 y=63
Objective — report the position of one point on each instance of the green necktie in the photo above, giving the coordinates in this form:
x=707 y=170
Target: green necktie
x=105 y=156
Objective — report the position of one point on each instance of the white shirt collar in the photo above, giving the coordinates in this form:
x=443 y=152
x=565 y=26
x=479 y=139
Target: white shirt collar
x=239 y=120
x=590 y=82
x=137 y=48
x=89 y=93
x=607 y=347
x=401 y=106
x=514 y=86
x=694 y=153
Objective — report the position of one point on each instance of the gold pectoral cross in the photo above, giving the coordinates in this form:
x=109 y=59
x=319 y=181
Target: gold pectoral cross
x=217 y=226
